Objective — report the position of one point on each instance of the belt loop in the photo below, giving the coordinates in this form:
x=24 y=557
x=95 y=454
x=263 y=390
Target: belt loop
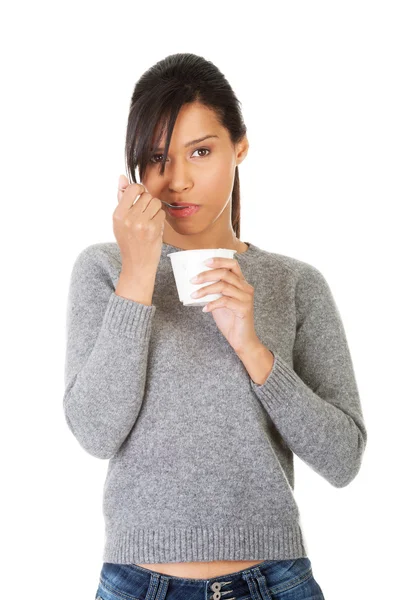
x=162 y=587
x=262 y=583
x=158 y=587
x=257 y=593
x=249 y=579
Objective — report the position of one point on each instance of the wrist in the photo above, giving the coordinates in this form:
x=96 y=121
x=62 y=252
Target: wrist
x=135 y=287
x=258 y=361
x=251 y=349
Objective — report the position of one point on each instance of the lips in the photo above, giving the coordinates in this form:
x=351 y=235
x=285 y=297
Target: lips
x=183 y=211
x=182 y=204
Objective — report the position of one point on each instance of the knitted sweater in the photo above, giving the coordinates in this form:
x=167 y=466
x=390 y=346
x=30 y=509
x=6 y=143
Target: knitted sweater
x=200 y=456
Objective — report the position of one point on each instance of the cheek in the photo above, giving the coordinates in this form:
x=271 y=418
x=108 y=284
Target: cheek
x=219 y=176
x=152 y=184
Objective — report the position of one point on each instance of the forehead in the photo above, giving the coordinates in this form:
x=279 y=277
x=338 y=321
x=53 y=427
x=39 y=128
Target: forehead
x=193 y=121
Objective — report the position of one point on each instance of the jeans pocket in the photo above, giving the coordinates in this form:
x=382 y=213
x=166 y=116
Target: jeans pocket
x=297 y=583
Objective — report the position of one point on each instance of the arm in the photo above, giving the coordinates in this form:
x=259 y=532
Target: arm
x=106 y=356
x=316 y=405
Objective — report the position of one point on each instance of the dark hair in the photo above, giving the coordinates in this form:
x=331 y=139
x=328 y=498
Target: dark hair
x=158 y=97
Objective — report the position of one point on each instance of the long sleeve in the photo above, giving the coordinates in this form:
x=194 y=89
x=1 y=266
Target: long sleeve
x=107 y=342
x=316 y=405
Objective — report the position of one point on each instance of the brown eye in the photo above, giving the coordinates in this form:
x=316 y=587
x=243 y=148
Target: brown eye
x=201 y=149
x=154 y=160
x=153 y=157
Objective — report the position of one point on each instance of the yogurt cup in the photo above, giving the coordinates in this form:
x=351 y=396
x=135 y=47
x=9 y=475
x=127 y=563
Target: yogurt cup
x=188 y=263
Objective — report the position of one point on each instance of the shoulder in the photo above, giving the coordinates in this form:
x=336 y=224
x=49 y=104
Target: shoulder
x=312 y=290
x=101 y=254
x=299 y=270
x=307 y=284
x=101 y=260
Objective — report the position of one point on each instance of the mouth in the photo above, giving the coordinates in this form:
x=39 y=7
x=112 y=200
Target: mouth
x=182 y=210
x=182 y=204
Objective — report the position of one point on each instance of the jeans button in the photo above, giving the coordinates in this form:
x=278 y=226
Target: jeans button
x=216 y=586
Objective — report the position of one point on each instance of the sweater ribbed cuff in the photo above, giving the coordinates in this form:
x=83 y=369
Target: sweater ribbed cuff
x=128 y=317
x=281 y=385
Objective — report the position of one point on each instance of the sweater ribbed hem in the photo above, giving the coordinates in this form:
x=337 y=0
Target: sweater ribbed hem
x=281 y=385
x=205 y=544
x=128 y=317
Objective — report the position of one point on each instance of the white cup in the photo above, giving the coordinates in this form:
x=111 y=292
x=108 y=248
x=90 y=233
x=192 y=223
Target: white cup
x=188 y=263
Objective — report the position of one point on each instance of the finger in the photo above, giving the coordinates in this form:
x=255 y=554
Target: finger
x=219 y=275
x=229 y=263
x=230 y=290
x=223 y=274
x=234 y=305
x=130 y=197
x=123 y=183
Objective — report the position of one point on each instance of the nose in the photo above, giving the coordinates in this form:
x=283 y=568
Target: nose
x=179 y=178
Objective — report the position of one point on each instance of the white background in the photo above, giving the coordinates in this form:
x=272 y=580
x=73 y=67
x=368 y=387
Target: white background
x=319 y=86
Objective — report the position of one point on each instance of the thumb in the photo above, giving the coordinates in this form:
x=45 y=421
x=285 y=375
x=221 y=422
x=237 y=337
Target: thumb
x=123 y=183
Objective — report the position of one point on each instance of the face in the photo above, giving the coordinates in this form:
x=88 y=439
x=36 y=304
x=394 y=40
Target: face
x=201 y=173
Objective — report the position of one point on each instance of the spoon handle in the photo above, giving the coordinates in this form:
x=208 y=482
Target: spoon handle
x=163 y=201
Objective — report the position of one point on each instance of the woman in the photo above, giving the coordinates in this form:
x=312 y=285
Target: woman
x=200 y=414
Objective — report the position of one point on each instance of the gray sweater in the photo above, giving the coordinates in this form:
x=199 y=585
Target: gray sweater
x=201 y=457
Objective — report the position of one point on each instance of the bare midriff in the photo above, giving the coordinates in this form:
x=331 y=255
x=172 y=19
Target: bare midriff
x=201 y=570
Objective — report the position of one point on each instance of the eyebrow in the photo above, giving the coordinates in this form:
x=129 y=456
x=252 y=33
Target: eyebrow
x=192 y=143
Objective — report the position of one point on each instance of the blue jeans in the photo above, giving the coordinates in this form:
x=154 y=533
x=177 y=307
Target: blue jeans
x=270 y=580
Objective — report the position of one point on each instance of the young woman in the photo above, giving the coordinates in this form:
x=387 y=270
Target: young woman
x=200 y=412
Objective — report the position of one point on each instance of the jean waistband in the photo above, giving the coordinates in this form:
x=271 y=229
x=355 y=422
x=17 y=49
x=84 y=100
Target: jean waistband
x=252 y=581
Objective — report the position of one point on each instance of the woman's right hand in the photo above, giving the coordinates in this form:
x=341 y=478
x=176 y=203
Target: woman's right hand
x=138 y=228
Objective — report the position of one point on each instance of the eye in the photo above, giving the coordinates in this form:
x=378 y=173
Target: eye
x=154 y=157
x=201 y=150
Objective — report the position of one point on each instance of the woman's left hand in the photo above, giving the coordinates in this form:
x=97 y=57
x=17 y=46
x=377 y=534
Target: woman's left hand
x=234 y=311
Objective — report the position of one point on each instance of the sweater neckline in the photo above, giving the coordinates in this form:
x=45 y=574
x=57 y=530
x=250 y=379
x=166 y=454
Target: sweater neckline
x=240 y=256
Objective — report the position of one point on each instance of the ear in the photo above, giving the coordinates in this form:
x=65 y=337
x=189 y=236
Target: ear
x=242 y=148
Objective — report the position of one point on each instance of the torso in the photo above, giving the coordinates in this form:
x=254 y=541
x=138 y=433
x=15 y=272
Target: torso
x=201 y=570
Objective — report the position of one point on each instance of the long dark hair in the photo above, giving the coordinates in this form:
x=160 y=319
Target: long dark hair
x=157 y=99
